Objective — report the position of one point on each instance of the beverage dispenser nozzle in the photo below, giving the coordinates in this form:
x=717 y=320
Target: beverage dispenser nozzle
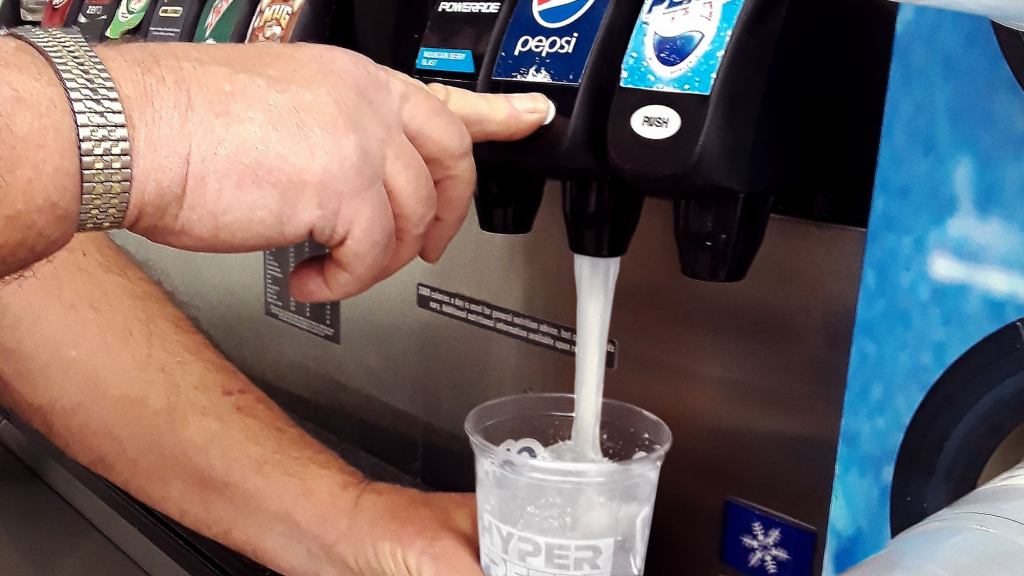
x=718 y=236
x=507 y=203
x=600 y=215
x=695 y=119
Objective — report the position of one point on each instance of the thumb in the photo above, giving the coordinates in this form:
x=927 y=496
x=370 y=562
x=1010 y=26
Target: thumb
x=496 y=116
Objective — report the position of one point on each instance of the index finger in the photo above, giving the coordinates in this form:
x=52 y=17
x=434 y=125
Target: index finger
x=491 y=117
x=498 y=117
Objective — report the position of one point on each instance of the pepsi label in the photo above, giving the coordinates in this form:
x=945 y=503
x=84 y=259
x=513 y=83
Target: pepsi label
x=678 y=45
x=549 y=41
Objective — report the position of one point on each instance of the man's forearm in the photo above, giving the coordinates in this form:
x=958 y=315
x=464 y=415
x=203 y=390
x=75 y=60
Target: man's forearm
x=95 y=356
x=40 y=177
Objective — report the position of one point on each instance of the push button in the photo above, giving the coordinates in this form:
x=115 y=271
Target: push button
x=655 y=122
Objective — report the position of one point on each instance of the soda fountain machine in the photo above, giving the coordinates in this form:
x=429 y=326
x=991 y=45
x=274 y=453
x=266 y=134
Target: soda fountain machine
x=749 y=375
x=752 y=128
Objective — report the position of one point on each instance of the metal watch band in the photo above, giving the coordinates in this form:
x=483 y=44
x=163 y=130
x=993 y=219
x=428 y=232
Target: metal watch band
x=104 y=149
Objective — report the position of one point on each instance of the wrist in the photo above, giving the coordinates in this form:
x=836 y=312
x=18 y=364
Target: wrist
x=338 y=533
x=154 y=99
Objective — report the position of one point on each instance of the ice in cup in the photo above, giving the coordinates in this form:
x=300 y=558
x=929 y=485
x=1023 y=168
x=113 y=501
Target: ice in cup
x=542 y=512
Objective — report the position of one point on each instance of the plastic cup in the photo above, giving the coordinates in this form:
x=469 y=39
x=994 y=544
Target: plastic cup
x=540 y=516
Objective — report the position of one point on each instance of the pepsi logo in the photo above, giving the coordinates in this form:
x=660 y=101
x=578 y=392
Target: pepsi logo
x=679 y=32
x=559 y=13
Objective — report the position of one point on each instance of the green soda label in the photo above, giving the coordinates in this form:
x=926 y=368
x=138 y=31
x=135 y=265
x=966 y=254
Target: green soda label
x=129 y=15
x=217 y=22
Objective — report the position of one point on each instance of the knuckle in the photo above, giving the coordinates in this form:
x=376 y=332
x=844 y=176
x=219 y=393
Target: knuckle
x=420 y=217
x=441 y=92
x=462 y=142
x=422 y=222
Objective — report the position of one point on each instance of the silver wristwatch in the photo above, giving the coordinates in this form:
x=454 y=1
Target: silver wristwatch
x=102 y=130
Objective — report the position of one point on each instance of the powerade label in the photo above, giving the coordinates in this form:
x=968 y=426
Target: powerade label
x=549 y=41
x=457 y=37
x=678 y=45
x=129 y=15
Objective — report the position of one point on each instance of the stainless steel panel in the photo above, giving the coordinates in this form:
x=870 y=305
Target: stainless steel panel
x=749 y=376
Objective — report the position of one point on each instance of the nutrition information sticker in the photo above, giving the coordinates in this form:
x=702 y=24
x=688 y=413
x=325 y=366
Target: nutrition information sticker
x=505 y=321
x=321 y=320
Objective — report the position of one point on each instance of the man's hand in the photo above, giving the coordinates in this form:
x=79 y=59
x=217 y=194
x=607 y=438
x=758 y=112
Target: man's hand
x=247 y=147
x=400 y=532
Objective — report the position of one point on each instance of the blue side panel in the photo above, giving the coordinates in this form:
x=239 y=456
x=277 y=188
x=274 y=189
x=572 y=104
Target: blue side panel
x=945 y=255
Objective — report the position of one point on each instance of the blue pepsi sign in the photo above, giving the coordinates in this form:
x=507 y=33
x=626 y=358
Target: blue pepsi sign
x=678 y=45
x=549 y=41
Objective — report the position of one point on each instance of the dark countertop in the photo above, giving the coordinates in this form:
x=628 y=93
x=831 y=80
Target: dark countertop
x=59 y=519
x=42 y=535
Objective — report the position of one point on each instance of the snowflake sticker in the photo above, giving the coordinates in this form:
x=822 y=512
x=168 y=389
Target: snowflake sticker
x=765 y=551
x=759 y=542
